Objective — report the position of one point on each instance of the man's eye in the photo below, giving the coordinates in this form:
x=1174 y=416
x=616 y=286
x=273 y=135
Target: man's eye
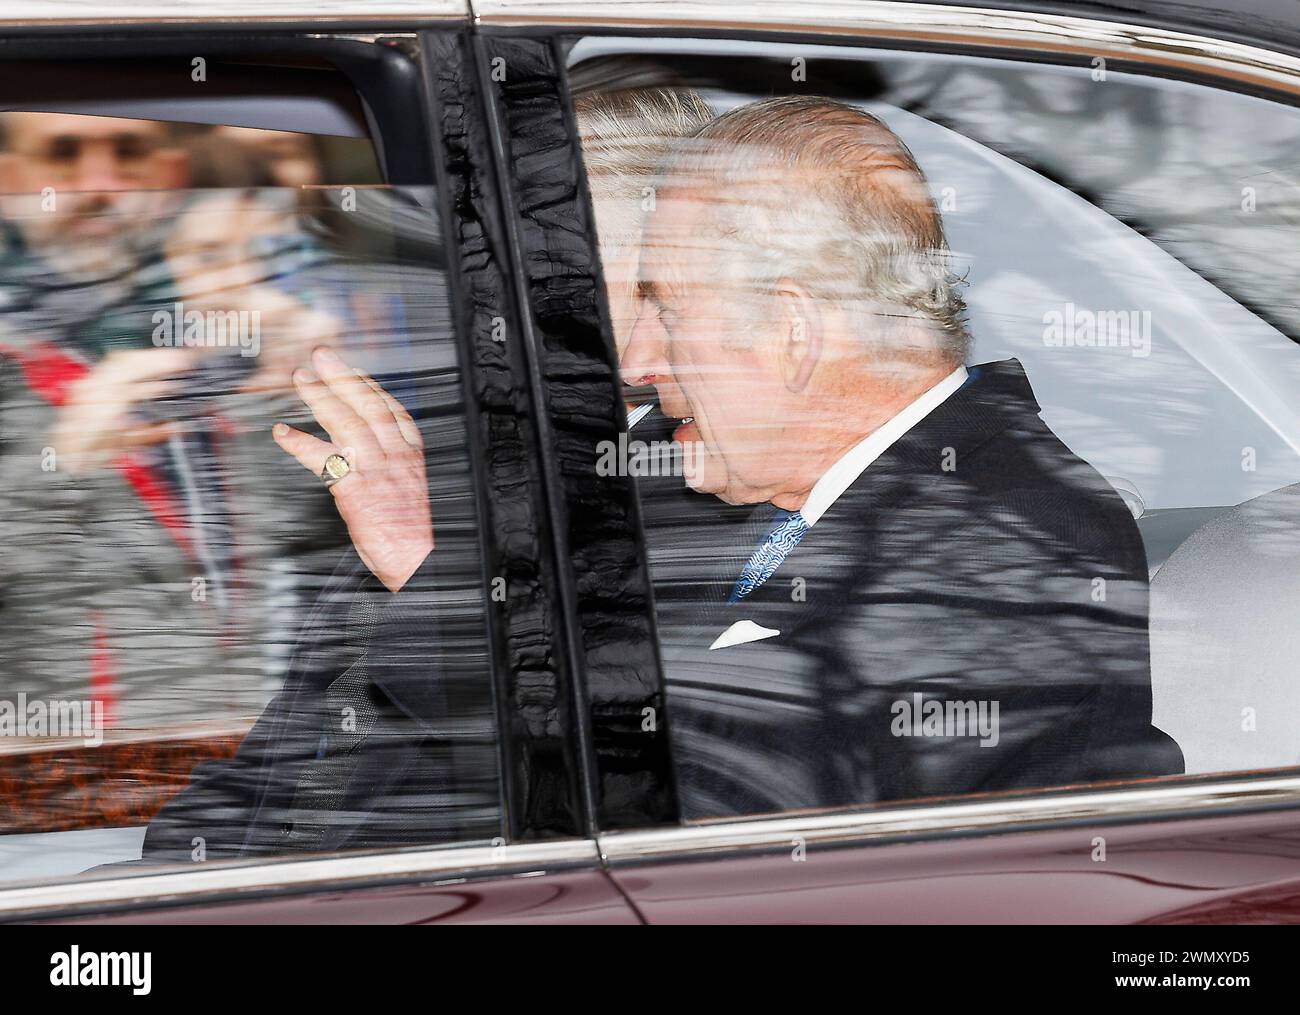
x=129 y=149
x=64 y=149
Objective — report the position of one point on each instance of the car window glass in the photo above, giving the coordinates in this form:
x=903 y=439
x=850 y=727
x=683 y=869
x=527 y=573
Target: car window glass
x=183 y=619
x=1037 y=527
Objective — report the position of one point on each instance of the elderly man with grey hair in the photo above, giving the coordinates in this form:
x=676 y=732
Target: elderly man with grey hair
x=934 y=595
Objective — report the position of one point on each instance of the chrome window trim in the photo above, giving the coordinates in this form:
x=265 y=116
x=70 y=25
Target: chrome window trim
x=1042 y=33
x=245 y=881
x=67 y=13
x=249 y=881
x=943 y=820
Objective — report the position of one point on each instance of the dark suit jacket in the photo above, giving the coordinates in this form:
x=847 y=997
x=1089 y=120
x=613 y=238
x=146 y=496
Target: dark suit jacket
x=977 y=562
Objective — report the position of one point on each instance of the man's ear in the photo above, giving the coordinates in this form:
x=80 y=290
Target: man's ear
x=802 y=337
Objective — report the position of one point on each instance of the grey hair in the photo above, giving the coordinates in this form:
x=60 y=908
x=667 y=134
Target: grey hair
x=816 y=191
x=626 y=134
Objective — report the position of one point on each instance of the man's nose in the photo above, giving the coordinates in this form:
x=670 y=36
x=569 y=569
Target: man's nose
x=99 y=169
x=644 y=359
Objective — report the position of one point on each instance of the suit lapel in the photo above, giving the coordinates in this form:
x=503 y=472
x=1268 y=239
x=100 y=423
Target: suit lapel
x=842 y=542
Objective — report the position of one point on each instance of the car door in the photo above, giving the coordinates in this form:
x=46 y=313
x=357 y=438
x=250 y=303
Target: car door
x=366 y=163
x=1190 y=848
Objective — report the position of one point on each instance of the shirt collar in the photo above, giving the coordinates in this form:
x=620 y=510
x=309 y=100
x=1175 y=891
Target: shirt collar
x=844 y=473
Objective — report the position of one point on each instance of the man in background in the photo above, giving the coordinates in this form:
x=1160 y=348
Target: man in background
x=137 y=545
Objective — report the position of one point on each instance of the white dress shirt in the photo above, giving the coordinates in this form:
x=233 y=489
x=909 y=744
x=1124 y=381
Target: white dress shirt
x=844 y=473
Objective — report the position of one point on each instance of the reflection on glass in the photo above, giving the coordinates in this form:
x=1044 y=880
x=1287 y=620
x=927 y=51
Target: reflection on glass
x=163 y=557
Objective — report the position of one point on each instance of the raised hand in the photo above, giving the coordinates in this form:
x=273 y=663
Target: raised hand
x=383 y=497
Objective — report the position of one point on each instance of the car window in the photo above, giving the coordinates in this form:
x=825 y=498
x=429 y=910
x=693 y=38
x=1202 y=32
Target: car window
x=186 y=629
x=967 y=445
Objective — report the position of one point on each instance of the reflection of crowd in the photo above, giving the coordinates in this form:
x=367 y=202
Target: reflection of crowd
x=147 y=519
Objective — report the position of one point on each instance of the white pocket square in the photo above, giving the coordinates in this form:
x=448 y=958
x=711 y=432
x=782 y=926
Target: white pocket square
x=740 y=632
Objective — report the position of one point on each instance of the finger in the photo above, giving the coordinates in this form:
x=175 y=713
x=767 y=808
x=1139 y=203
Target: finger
x=410 y=432
x=310 y=451
x=359 y=396
x=345 y=427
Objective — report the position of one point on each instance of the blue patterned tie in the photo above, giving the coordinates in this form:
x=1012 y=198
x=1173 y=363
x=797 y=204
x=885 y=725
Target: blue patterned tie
x=788 y=527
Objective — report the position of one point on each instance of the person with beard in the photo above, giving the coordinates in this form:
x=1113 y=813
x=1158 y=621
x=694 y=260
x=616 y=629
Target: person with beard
x=127 y=578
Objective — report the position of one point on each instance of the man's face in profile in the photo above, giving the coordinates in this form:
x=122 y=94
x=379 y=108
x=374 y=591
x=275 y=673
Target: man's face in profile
x=80 y=186
x=704 y=335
